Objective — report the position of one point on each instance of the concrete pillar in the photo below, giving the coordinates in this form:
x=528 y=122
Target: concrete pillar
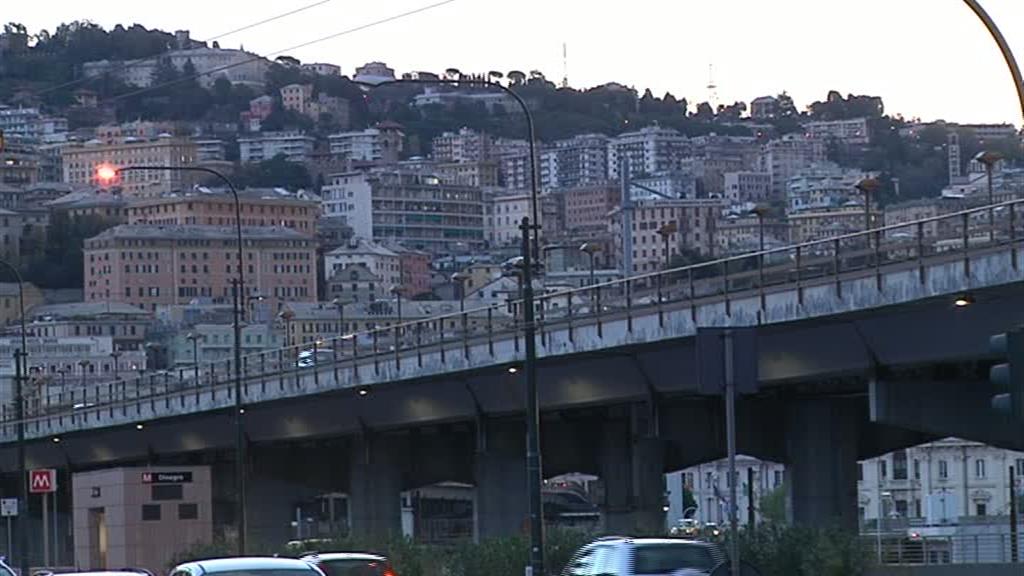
x=821 y=463
x=632 y=471
x=375 y=485
x=501 y=507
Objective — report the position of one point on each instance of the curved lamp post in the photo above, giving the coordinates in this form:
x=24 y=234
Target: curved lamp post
x=20 y=360
x=1004 y=48
x=107 y=174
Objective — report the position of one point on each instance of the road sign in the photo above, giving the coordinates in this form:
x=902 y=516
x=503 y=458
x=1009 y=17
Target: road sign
x=166 y=477
x=42 y=481
x=8 y=507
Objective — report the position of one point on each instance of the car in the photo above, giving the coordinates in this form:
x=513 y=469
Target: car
x=687 y=528
x=306 y=358
x=625 y=556
x=248 y=566
x=351 y=564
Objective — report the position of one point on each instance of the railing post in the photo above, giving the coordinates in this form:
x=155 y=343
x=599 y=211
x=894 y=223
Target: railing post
x=355 y=356
x=398 y=347
x=693 y=296
x=629 y=306
x=490 y=330
x=541 y=321
x=661 y=312
x=920 y=253
x=597 y=295
x=334 y=359
x=568 y=317
x=878 y=259
x=725 y=287
x=799 y=276
x=1013 y=239
x=280 y=367
x=419 y=344
x=515 y=329
x=967 y=244
x=440 y=343
x=263 y=372
x=465 y=334
x=837 y=268
x=376 y=360
x=316 y=363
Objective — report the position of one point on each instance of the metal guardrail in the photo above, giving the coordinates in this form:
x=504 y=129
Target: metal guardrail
x=982 y=548
x=954 y=237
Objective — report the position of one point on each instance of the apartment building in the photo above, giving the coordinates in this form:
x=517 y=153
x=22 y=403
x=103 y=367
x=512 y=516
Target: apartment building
x=294 y=146
x=647 y=151
x=149 y=265
x=217 y=208
x=80 y=162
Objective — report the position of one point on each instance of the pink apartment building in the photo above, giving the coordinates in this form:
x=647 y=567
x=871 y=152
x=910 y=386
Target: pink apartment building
x=149 y=265
x=219 y=210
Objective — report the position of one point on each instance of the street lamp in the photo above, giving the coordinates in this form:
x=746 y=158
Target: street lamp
x=194 y=338
x=84 y=364
x=107 y=174
x=760 y=212
x=591 y=249
x=397 y=291
x=868 y=187
x=989 y=158
x=20 y=360
x=533 y=455
x=286 y=315
x=339 y=303
x=459 y=279
x=115 y=355
x=666 y=231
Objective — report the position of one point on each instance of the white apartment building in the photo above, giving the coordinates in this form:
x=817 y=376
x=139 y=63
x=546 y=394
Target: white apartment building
x=381 y=261
x=509 y=211
x=577 y=161
x=941 y=482
x=747 y=186
x=210 y=149
x=380 y=144
x=850 y=131
x=347 y=196
x=673 y=184
x=648 y=151
x=410 y=207
x=295 y=146
x=785 y=157
x=709 y=485
x=764 y=107
x=695 y=228
x=236 y=66
x=30 y=123
x=466 y=145
x=321 y=68
x=823 y=187
x=296 y=97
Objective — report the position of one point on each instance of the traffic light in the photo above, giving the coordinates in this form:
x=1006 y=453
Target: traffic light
x=1008 y=376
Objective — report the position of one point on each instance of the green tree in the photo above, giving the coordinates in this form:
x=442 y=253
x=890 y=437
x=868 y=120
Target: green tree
x=772 y=506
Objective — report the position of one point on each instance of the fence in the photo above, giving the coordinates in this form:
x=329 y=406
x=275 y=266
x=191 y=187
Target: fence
x=953 y=240
x=981 y=548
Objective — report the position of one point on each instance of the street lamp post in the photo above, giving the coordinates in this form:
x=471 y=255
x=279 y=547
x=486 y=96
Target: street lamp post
x=194 y=338
x=591 y=249
x=115 y=356
x=339 y=303
x=666 y=231
x=989 y=158
x=108 y=174
x=20 y=361
x=459 y=279
x=868 y=187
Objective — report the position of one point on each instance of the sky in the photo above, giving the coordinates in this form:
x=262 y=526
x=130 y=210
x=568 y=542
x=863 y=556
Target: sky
x=928 y=59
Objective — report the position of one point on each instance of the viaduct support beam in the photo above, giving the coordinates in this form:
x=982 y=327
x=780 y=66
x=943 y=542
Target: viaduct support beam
x=375 y=486
x=821 y=462
x=500 y=508
x=632 y=468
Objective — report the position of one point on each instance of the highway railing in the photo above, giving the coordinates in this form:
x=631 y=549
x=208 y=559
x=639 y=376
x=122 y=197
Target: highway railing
x=469 y=338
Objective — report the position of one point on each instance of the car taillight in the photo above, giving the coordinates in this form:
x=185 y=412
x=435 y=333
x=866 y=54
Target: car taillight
x=389 y=571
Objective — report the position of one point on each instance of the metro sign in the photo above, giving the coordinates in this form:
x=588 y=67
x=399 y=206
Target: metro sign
x=42 y=481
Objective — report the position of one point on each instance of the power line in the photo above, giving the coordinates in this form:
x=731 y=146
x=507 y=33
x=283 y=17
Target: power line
x=345 y=32
x=136 y=63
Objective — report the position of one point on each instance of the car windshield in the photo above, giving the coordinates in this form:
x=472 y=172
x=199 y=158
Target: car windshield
x=667 y=558
x=353 y=567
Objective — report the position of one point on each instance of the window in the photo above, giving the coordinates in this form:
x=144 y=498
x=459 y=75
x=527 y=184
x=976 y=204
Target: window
x=943 y=469
x=860 y=471
x=188 y=511
x=899 y=465
x=980 y=509
x=917 y=469
x=883 y=468
x=979 y=469
x=167 y=492
x=777 y=479
x=150 y=512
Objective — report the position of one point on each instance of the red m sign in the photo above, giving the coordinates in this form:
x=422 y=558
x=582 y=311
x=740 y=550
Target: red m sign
x=42 y=481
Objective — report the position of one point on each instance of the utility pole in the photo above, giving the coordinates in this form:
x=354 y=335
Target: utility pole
x=533 y=458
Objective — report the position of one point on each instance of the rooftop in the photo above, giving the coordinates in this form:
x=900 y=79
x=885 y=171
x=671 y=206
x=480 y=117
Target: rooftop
x=152 y=231
x=86 y=310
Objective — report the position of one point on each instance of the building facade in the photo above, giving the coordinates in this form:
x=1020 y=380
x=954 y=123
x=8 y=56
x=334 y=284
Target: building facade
x=380 y=144
x=81 y=161
x=850 y=131
x=647 y=151
x=258 y=208
x=294 y=146
x=150 y=265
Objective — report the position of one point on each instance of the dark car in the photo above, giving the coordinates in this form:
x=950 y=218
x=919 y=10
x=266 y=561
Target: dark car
x=351 y=564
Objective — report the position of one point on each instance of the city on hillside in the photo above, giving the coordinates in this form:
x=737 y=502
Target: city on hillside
x=371 y=197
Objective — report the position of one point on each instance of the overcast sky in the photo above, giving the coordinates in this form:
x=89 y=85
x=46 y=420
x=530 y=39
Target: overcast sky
x=927 y=58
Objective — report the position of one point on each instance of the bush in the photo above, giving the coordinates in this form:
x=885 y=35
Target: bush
x=781 y=550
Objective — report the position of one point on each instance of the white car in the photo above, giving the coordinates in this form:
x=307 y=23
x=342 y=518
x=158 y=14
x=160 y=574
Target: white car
x=247 y=567
x=624 y=556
